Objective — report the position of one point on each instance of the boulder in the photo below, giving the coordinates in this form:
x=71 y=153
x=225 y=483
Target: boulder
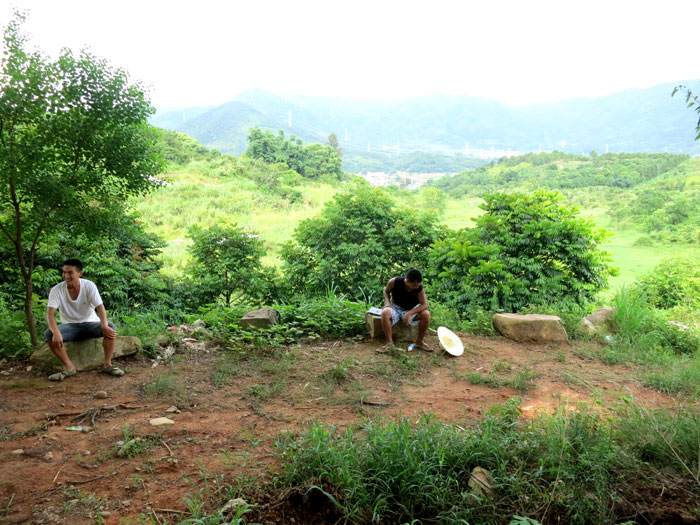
x=586 y=327
x=261 y=318
x=85 y=355
x=535 y=328
x=399 y=331
x=601 y=320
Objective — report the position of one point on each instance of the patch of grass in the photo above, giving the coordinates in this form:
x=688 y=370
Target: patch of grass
x=226 y=368
x=501 y=366
x=490 y=380
x=522 y=381
x=683 y=378
x=134 y=445
x=165 y=385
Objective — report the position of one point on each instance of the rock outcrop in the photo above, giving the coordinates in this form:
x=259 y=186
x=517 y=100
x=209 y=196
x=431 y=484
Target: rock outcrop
x=85 y=355
x=399 y=331
x=536 y=328
x=261 y=318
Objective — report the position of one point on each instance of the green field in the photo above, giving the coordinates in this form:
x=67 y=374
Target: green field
x=195 y=199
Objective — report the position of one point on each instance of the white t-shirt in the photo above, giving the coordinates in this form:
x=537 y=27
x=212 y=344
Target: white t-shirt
x=82 y=310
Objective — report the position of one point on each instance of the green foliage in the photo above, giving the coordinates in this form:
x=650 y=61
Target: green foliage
x=227 y=264
x=568 y=467
x=524 y=250
x=74 y=138
x=313 y=161
x=692 y=102
x=673 y=283
x=14 y=338
x=644 y=332
x=561 y=171
x=357 y=244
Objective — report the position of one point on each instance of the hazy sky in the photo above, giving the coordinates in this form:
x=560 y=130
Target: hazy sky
x=521 y=52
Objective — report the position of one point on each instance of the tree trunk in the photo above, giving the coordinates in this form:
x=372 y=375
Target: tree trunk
x=28 y=312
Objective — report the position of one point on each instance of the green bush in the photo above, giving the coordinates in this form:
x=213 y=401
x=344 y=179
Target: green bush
x=14 y=337
x=526 y=249
x=673 y=283
x=357 y=244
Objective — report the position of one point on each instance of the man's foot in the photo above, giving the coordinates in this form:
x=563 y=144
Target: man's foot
x=60 y=376
x=422 y=346
x=113 y=371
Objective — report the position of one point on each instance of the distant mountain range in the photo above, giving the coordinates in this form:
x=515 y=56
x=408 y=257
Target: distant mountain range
x=635 y=120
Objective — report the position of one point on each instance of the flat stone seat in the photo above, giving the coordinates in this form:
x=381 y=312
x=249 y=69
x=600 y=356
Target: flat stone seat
x=536 y=328
x=400 y=332
x=85 y=355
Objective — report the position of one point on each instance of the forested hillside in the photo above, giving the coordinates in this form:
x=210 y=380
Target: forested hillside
x=639 y=120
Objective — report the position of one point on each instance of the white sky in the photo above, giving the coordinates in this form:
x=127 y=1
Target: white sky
x=195 y=53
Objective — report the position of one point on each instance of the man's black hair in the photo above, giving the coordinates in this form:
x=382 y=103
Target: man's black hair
x=414 y=276
x=75 y=263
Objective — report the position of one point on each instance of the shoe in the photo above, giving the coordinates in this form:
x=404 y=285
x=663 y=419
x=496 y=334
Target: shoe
x=113 y=371
x=60 y=376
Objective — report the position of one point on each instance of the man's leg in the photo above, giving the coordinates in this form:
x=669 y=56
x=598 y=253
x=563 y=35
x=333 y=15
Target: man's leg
x=108 y=344
x=59 y=350
x=424 y=323
x=386 y=325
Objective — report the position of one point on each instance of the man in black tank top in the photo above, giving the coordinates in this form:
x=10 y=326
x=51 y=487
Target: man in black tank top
x=405 y=301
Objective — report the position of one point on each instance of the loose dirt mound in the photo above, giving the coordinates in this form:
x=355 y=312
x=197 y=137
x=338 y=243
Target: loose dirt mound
x=232 y=406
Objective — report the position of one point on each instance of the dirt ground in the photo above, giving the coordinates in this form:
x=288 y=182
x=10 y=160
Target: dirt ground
x=231 y=407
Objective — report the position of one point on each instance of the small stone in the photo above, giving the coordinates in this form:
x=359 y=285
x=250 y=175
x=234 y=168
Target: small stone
x=5 y=373
x=172 y=410
x=119 y=444
x=480 y=482
x=158 y=421
x=105 y=513
x=233 y=505
x=48 y=456
x=17 y=451
x=101 y=394
x=30 y=368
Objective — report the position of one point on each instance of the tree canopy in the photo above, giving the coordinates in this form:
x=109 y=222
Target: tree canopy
x=74 y=137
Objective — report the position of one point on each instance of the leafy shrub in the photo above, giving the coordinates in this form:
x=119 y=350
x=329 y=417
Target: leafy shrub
x=357 y=244
x=524 y=250
x=227 y=264
x=674 y=282
x=14 y=337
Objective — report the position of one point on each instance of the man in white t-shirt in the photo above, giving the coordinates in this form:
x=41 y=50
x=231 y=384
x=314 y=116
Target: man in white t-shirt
x=83 y=316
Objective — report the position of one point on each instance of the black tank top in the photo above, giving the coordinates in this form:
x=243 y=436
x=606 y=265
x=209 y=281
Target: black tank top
x=400 y=296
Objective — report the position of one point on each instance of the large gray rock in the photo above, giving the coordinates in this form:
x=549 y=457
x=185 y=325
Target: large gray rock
x=601 y=320
x=399 y=331
x=261 y=318
x=537 y=328
x=85 y=355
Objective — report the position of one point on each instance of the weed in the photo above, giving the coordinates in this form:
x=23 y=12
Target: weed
x=522 y=381
x=490 y=380
x=561 y=356
x=683 y=378
x=134 y=445
x=501 y=366
x=165 y=385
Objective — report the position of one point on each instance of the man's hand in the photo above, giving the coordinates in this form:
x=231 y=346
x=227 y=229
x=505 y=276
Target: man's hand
x=57 y=338
x=108 y=332
x=406 y=318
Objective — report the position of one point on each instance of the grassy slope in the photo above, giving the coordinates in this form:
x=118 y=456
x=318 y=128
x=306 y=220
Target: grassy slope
x=196 y=198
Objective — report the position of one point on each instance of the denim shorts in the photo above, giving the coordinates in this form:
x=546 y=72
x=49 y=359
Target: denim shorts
x=78 y=331
x=397 y=314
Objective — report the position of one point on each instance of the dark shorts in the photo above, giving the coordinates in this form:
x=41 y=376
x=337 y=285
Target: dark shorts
x=78 y=331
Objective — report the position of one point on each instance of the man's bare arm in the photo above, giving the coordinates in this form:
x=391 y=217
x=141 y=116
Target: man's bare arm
x=57 y=338
x=107 y=331
x=387 y=292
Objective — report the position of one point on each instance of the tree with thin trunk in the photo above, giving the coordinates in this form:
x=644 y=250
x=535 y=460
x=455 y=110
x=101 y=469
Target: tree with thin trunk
x=74 y=138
